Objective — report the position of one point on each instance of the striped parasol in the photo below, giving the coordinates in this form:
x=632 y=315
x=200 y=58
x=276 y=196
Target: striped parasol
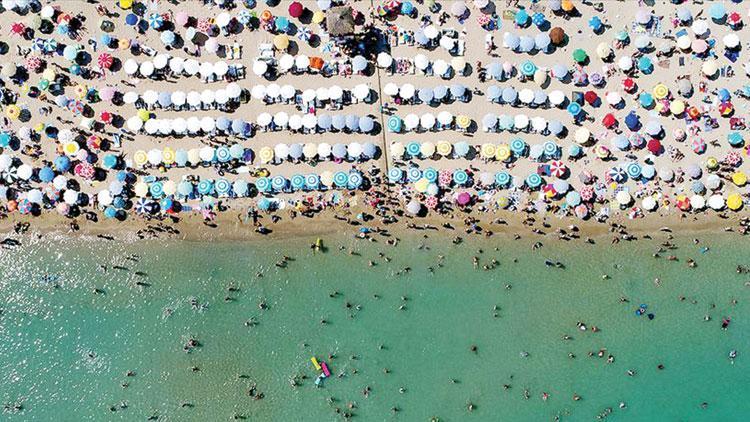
x=340 y=179
x=460 y=177
x=414 y=174
x=312 y=181
x=278 y=183
x=395 y=175
x=263 y=184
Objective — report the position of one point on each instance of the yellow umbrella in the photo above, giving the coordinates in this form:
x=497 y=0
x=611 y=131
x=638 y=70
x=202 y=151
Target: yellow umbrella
x=194 y=156
x=502 y=202
x=463 y=121
x=13 y=111
x=739 y=178
x=421 y=185
x=281 y=42
x=660 y=91
x=39 y=127
x=143 y=114
x=677 y=107
x=140 y=158
x=734 y=202
x=70 y=148
x=168 y=155
x=123 y=44
x=140 y=189
x=502 y=152
x=80 y=90
x=488 y=150
x=49 y=74
x=126 y=4
x=318 y=17
x=444 y=148
x=266 y=154
x=712 y=163
x=427 y=149
x=397 y=149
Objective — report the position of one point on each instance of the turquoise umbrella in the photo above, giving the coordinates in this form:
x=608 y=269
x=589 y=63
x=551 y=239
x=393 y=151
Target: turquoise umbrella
x=633 y=170
x=395 y=175
x=574 y=109
x=297 y=181
x=414 y=174
x=205 y=187
x=156 y=189
x=109 y=161
x=263 y=184
x=528 y=68
x=222 y=154
x=518 y=146
x=460 y=177
x=430 y=174
x=550 y=149
x=312 y=181
x=413 y=149
x=185 y=188
x=278 y=183
x=573 y=198
x=340 y=179
x=534 y=180
x=502 y=178
x=394 y=124
x=222 y=186
x=355 y=180
x=735 y=139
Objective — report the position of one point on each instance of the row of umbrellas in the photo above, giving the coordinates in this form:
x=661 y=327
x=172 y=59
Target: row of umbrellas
x=428 y=121
x=275 y=92
x=327 y=179
x=426 y=95
x=311 y=122
x=323 y=151
x=207 y=97
x=512 y=96
x=178 y=66
x=192 y=126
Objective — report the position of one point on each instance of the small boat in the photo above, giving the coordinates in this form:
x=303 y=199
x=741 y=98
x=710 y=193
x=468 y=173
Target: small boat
x=318 y=245
x=326 y=372
x=315 y=363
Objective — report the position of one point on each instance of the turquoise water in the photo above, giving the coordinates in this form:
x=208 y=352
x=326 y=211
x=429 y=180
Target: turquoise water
x=65 y=351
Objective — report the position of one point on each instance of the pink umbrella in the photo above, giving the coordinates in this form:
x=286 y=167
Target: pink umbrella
x=104 y=60
x=204 y=25
x=33 y=63
x=557 y=168
x=733 y=159
x=63 y=208
x=431 y=202
x=581 y=211
x=84 y=170
x=181 y=18
x=107 y=93
x=587 y=193
x=699 y=46
x=463 y=198
x=445 y=177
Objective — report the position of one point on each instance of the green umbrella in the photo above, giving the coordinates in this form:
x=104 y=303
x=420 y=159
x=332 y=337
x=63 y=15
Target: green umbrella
x=579 y=55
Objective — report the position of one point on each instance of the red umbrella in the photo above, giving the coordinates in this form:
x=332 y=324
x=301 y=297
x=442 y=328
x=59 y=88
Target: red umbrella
x=693 y=112
x=84 y=170
x=609 y=121
x=654 y=146
x=17 y=28
x=105 y=117
x=726 y=108
x=734 y=18
x=590 y=97
x=104 y=60
x=628 y=84
x=557 y=168
x=296 y=9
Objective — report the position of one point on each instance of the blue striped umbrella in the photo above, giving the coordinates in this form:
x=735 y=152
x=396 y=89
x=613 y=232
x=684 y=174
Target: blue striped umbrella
x=395 y=175
x=550 y=148
x=414 y=174
x=633 y=170
x=460 y=177
x=205 y=187
x=312 y=181
x=518 y=146
x=355 y=180
x=340 y=179
x=222 y=187
x=278 y=183
x=263 y=184
x=502 y=178
x=155 y=20
x=140 y=206
x=297 y=181
x=156 y=189
x=223 y=155
x=534 y=180
x=413 y=148
x=617 y=174
x=430 y=174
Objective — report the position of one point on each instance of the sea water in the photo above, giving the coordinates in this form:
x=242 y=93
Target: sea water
x=426 y=335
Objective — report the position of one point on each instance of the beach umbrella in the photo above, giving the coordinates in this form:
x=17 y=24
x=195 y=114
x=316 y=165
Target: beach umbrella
x=312 y=181
x=222 y=187
x=509 y=95
x=528 y=68
x=734 y=202
x=557 y=35
x=709 y=68
x=518 y=147
x=324 y=150
x=574 y=109
x=502 y=178
x=263 y=184
x=735 y=139
x=354 y=180
x=533 y=181
x=206 y=187
x=395 y=175
x=579 y=55
x=340 y=179
x=460 y=177
x=461 y=149
x=339 y=151
x=550 y=149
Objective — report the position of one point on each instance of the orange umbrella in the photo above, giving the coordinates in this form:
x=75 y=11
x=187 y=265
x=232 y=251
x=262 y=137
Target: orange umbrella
x=567 y=6
x=266 y=15
x=316 y=63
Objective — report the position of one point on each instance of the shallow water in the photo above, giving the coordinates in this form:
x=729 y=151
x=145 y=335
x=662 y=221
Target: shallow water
x=64 y=350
